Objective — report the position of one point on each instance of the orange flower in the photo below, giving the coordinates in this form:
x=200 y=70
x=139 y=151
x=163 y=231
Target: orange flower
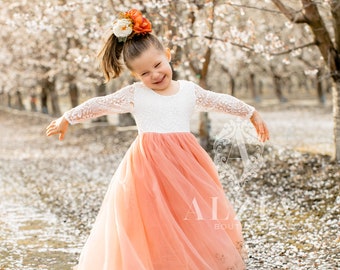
x=141 y=25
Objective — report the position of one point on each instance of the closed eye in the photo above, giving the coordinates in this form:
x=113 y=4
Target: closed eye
x=158 y=64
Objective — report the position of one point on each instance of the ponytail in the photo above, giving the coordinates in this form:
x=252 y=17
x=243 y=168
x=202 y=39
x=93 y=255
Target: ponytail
x=110 y=58
x=111 y=62
x=131 y=37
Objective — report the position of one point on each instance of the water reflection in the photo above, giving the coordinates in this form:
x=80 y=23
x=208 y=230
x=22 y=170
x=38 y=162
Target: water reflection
x=30 y=237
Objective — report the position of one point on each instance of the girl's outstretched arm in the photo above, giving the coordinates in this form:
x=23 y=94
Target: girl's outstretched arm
x=260 y=126
x=211 y=101
x=118 y=102
x=58 y=126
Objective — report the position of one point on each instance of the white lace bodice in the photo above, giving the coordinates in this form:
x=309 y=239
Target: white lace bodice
x=158 y=113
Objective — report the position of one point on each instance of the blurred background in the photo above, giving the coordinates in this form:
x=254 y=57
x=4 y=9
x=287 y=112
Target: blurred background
x=265 y=54
x=280 y=56
x=250 y=50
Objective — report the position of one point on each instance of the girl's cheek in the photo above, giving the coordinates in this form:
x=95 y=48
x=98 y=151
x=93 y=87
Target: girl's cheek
x=145 y=79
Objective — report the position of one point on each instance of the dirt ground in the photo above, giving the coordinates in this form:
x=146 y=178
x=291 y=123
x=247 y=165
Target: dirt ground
x=50 y=191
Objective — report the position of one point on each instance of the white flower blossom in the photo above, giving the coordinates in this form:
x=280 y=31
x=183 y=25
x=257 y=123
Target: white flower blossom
x=122 y=28
x=310 y=72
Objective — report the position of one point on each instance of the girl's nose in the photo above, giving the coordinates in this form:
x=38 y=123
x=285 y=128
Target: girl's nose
x=155 y=75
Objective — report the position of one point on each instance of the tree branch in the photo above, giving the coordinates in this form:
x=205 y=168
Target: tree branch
x=294 y=49
x=291 y=14
x=111 y=4
x=307 y=63
x=245 y=47
x=206 y=63
x=194 y=68
x=335 y=10
x=252 y=7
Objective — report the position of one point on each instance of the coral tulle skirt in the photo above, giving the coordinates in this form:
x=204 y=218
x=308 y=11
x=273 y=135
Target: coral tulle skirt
x=164 y=209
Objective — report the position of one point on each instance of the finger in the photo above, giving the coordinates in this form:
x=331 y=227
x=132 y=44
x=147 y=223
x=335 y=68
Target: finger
x=263 y=133
x=266 y=135
x=263 y=139
x=51 y=124
x=50 y=131
x=50 y=127
x=61 y=136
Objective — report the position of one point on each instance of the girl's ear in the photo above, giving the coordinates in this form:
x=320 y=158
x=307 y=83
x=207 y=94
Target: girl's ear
x=168 y=54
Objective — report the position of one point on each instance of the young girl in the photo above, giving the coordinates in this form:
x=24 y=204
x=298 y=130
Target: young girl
x=165 y=207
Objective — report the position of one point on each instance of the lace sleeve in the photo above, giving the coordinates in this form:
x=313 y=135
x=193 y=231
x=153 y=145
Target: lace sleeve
x=217 y=102
x=118 y=102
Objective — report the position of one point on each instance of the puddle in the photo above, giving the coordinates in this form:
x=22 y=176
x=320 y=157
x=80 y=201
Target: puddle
x=31 y=238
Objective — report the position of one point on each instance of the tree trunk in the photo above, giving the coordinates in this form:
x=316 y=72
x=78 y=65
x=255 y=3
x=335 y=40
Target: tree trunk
x=19 y=103
x=101 y=91
x=252 y=87
x=48 y=89
x=278 y=88
x=204 y=130
x=74 y=94
x=336 y=118
x=125 y=120
x=335 y=9
x=310 y=15
x=232 y=85
x=302 y=83
x=174 y=73
x=260 y=87
x=43 y=100
x=288 y=85
x=9 y=100
x=320 y=92
x=33 y=103
x=328 y=86
x=2 y=97
x=204 y=123
x=54 y=99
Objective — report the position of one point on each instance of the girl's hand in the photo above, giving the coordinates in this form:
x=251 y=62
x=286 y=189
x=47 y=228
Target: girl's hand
x=260 y=126
x=58 y=126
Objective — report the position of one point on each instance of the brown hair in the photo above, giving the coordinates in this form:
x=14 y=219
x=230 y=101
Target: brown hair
x=110 y=54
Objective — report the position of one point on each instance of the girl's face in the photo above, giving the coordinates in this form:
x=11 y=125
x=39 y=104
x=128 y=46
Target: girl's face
x=153 y=69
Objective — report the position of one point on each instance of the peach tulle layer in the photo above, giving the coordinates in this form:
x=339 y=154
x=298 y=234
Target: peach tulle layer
x=164 y=209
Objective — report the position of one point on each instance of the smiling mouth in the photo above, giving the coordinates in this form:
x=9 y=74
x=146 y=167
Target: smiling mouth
x=160 y=81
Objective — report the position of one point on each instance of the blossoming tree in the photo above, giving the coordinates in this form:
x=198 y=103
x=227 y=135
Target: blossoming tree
x=50 y=47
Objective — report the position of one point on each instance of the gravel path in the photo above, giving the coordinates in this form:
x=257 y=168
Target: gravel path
x=51 y=191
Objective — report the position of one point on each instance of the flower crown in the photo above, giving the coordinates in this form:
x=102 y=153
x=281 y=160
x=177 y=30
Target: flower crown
x=130 y=22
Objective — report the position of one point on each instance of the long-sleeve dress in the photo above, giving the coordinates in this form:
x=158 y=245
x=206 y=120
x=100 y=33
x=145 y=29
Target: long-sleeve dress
x=165 y=208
